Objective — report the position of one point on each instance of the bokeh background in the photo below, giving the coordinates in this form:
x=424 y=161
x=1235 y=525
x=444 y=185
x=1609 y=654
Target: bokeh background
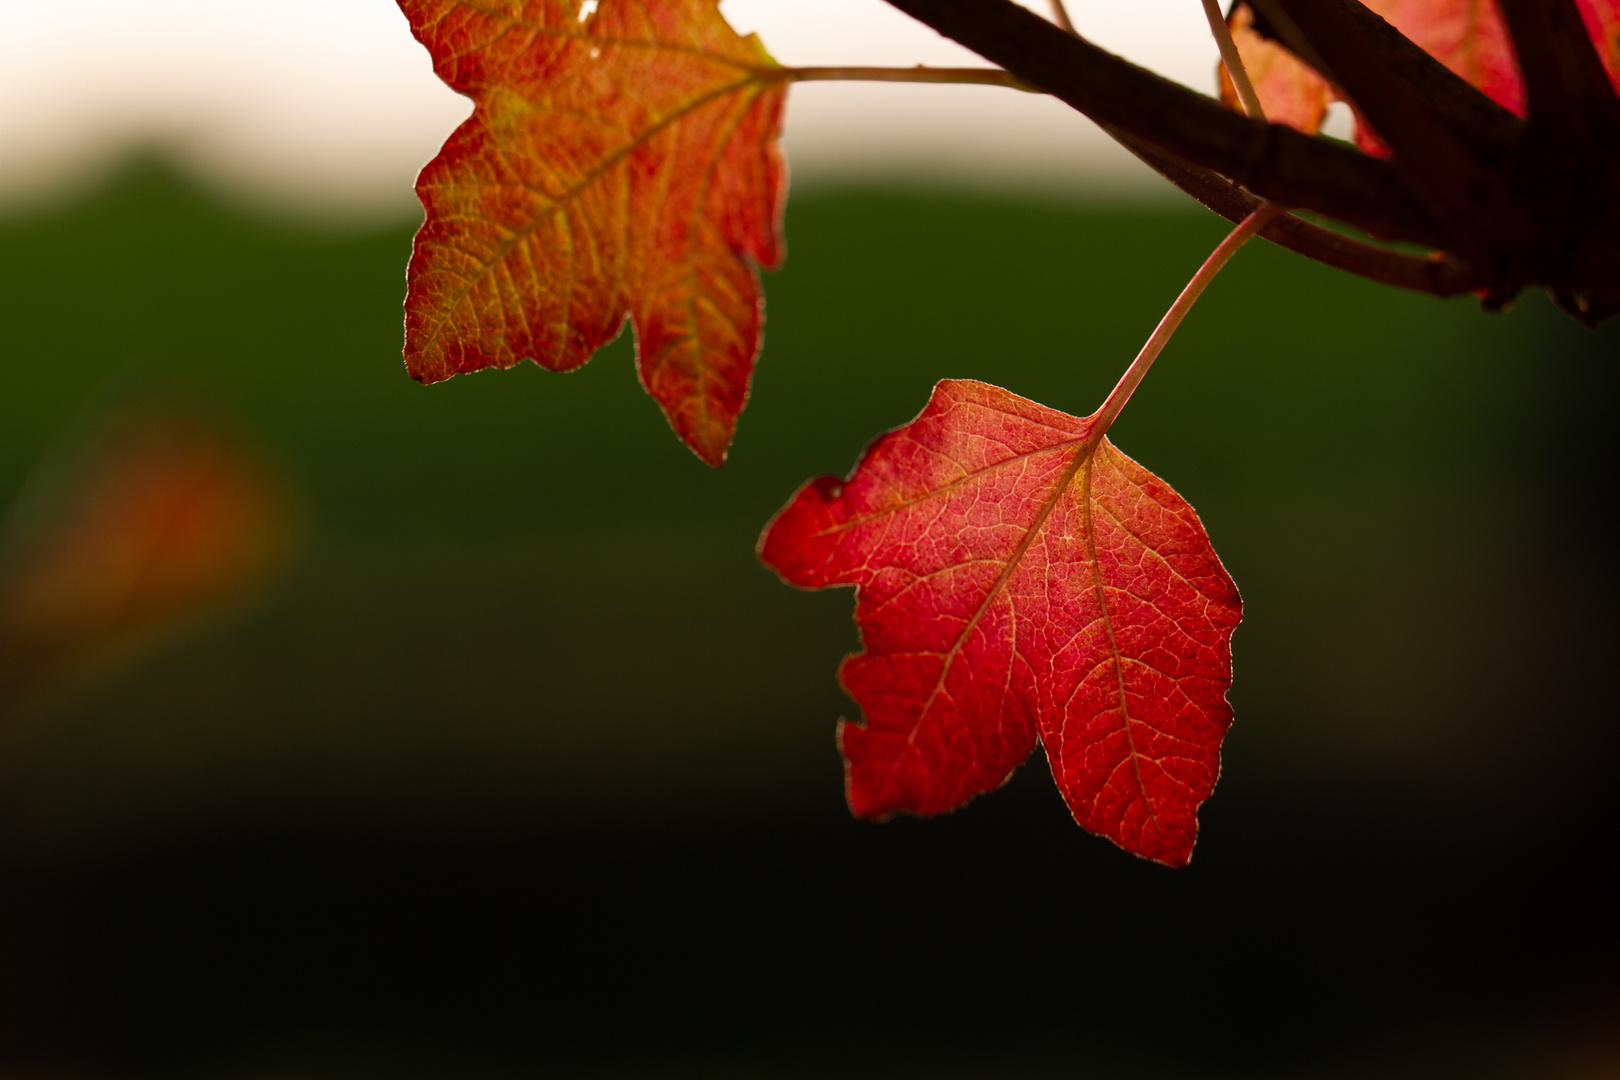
x=514 y=762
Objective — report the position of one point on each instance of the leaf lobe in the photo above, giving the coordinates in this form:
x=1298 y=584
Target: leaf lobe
x=1019 y=579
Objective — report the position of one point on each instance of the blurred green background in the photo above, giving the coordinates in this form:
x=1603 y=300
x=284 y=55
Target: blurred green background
x=526 y=766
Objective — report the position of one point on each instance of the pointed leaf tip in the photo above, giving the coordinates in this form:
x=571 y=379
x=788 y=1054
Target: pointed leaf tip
x=621 y=166
x=1018 y=579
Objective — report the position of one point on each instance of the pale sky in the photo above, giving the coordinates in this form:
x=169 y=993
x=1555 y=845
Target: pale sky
x=331 y=106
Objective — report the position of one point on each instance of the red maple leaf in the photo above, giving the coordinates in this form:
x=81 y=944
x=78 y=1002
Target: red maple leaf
x=1019 y=578
x=620 y=166
x=1468 y=36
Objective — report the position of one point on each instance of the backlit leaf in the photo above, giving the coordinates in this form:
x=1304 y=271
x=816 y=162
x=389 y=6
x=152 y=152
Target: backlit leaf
x=623 y=165
x=1020 y=579
x=1468 y=36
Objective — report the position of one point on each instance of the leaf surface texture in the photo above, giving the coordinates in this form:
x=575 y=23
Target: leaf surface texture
x=1018 y=580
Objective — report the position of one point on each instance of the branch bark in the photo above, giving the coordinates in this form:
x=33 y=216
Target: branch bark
x=1442 y=276
x=1463 y=191
x=1275 y=162
x=1483 y=124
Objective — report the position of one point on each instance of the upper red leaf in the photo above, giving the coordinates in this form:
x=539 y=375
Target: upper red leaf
x=623 y=165
x=1468 y=36
x=1018 y=578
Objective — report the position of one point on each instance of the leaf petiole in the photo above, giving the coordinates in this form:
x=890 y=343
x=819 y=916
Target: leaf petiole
x=918 y=74
x=1233 y=61
x=1060 y=15
x=1262 y=216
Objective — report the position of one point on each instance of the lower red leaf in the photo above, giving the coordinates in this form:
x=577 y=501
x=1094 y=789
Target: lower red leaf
x=1018 y=578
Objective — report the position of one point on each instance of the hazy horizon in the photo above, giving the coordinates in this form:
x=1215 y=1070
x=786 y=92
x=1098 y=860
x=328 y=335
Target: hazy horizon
x=329 y=107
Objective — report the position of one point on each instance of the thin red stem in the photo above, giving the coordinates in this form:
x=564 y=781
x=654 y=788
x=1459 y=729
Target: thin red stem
x=1233 y=61
x=1262 y=216
x=918 y=74
x=1060 y=15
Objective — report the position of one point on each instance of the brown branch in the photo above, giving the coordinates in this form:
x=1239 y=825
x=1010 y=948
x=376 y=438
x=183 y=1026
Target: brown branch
x=1275 y=162
x=1445 y=276
x=1480 y=122
x=1442 y=277
x=1219 y=195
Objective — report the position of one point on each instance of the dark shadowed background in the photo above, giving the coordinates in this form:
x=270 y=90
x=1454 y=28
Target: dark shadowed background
x=526 y=767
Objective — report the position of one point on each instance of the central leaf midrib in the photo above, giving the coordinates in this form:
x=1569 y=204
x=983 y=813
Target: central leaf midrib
x=1013 y=561
x=844 y=526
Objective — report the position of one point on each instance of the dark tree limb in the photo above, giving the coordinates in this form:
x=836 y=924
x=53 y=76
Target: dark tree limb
x=1481 y=123
x=1519 y=202
x=1462 y=189
x=1440 y=276
x=1273 y=161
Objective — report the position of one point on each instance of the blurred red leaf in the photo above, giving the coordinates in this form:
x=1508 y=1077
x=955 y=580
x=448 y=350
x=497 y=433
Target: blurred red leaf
x=156 y=519
x=623 y=165
x=1468 y=36
x=1020 y=578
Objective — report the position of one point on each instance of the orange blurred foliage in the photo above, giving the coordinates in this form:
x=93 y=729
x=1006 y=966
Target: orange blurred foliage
x=155 y=518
